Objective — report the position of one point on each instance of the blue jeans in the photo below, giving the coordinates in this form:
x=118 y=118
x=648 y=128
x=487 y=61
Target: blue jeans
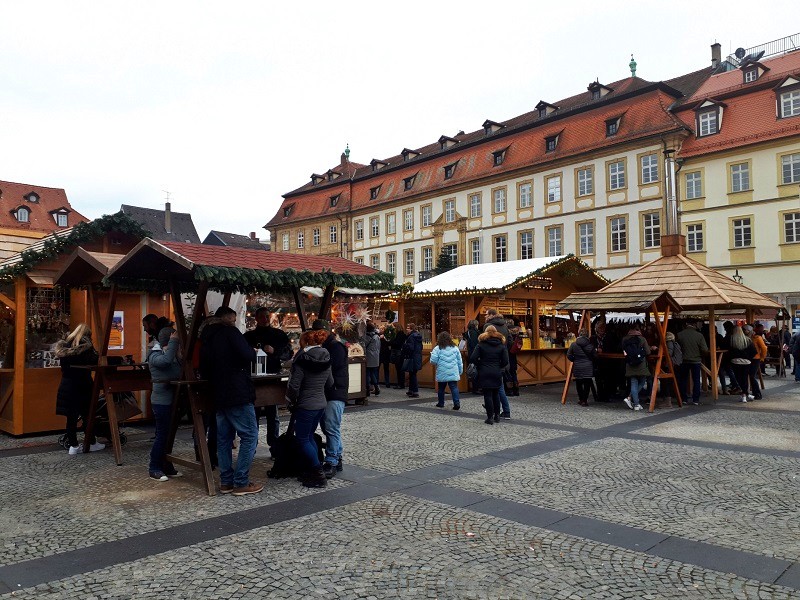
x=163 y=416
x=373 y=374
x=231 y=420
x=453 y=390
x=305 y=424
x=637 y=383
x=504 y=400
x=332 y=428
x=692 y=369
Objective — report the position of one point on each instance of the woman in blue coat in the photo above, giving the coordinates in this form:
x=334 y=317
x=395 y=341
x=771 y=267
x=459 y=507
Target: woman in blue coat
x=449 y=367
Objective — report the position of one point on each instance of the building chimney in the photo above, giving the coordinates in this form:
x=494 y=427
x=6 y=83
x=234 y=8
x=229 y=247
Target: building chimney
x=716 y=54
x=253 y=236
x=168 y=217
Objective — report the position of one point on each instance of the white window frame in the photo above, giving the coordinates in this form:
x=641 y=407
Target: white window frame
x=618 y=227
x=301 y=240
x=475 y=251
x=61 y=219
x=651 y=225
x=375 y=261
x=391 y=224
x=750 y=75
x=475 y=208
x=586 y=238
x=408 y=259
x=791 y=227
x=333 y=234
x=525 y=195
x=452 y=251
x=694 y=185
x=449 y=211
x=555 y=240
x=790 y=104
x=360 y=229
x=742 y=232
x=649 y=166
x=391 y=263
x=315 y=236
x=695 y=237
x=427 y=258
x=585 y=182
x=359 y=260
x=554 y=188
x=427 y=215
x=501 y=248
x=285 y=243
x=374 y=226
x=408 y=219
x=616 y=175
x=707 y=123
x=740 y=177
x=525 y=245
x=790 y=168
x=499 y=200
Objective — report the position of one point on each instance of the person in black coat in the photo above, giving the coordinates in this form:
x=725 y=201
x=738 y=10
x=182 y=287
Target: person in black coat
x=412 y=358
x=337 y=399
x=226 y=360
x=396 y=357
x=582 y=354
x=386 y=357
x=75 y=390
x=491 y=358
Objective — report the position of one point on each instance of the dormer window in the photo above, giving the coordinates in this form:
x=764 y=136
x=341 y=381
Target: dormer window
x=707 y=123
x=750 y=75
x=450 y=170
x=447 y=142
x=23 y=215
x=377 y=164
x=61 y=219
x=333 y=175
x=373 y=192
x=498 y=156
x=598 y=90
x=335 y=200
x=287 y=210
x=489 y=127
x=408 y=182
x=612 y=126
x=788 y=97
x=32 y=197
x=550 y=143
x=409 y=154
x=542 y=113
x=545 y=108
x=595 y=94
x=315 y=179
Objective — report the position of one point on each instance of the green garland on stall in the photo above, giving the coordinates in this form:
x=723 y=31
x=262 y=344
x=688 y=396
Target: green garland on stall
x=55 y=245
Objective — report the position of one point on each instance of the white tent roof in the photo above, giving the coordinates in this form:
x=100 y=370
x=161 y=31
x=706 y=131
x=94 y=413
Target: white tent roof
x=484 y=276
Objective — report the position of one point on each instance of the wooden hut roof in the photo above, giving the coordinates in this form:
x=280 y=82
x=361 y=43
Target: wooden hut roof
x=690 y=284
x=151 y=263
x=636 y=302
x=84 y=267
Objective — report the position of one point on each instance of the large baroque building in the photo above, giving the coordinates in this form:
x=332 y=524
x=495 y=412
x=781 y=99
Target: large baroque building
x=586 y=175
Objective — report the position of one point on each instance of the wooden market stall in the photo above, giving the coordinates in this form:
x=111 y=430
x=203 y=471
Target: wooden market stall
x=195 y=268
x=37 y=313
x=526 y=291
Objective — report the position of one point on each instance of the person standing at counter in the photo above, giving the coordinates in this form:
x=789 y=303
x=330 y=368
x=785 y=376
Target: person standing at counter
x=75 y=390
x=372 y=353
x=742 y=353
x=164 y=362
x=226 y=359
x=491 y=359
x=582 y=354
x=336 y=399
x=693 y=345
x=496 y=320
x=396 y=356
x=412 y=358
x=386 y=356
x=471 y=336
x=275 y=344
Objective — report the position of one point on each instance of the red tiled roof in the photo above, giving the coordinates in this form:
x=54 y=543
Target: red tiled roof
x=245 y=258
x=13 y=195
x=315 y=203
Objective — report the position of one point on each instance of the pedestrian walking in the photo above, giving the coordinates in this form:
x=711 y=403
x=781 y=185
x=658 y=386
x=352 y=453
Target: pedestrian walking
x=491 y=359
x=446 y=357
x=636 y=350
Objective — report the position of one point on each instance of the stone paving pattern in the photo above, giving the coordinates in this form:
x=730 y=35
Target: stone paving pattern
x=397 y=545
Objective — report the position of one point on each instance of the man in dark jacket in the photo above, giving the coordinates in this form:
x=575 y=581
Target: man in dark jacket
x=499 y=322
x=396 y=356
x=226 y=359
x=337 y=398
x=693 y=345
x=275 y=343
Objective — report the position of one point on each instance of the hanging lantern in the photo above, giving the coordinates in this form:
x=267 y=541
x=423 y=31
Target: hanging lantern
x=259 y=366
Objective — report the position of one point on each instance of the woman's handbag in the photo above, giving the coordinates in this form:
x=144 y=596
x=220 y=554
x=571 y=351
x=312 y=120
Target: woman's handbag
x=740 y=361
x=472 y=371
x=408 y=365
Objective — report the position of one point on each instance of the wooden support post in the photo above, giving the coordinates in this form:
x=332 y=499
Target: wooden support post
x=301 y=314
x=325 y=306
x=94 y=311
x=20 y=322
x=226 y=299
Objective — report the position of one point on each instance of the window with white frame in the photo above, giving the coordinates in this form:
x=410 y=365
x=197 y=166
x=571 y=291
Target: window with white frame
x=707 y=122
x=525 y=195
x=499 y=200
x=616 y=175
x=391 y=263
x=586 y=238
x=333 y=234
x=651 y=223
x=315 y=237
x=500 y=249
x=790 y=168
x=285 y=245
x=391 y=224
x=451 y=250
x=791 y=227
x=740 y=177
x=554 y=189
x=61 y=219
x=408 y=257
x=475 y=251
x=750 y=75
x=375 y=262
x=359 y=229
x=301 y=239
x=742 y=233
x=649 y=166
x=694 y=237
x=619 y=234
x=374 y=226
x=427 y=258
x=585 y=182
x=475 y=206
x=554 y=241
x=790 y=104
x=360 y=260
x=449 y=211
x=694 y=185
x=427 y=213
x=526 y=245
x=408 y=220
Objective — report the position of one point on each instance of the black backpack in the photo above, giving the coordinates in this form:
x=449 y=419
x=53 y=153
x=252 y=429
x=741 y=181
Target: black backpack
x=289 y=458
x=634 y=352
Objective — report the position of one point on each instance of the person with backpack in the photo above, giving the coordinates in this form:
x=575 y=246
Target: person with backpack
x=693 y=345
x=582 y=355
x=447 y=358
x=636 y=349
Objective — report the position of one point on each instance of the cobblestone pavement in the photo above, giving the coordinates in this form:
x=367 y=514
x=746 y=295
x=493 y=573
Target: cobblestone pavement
x=422 y=509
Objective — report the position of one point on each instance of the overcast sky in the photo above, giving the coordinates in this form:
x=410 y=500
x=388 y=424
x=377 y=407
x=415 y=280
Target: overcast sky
x=229 y=105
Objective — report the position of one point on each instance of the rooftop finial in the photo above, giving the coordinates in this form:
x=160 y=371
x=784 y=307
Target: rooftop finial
x=632 y=66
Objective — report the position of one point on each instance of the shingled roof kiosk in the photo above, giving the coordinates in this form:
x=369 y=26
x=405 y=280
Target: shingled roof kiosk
x=175 y=268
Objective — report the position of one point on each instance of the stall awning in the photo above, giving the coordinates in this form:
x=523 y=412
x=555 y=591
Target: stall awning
x=629 y=302
x=84 y=267
x=497 y=278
